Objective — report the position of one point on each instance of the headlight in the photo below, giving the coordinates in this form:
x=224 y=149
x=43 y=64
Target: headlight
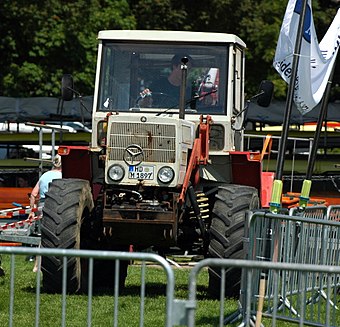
x=116 y=172
x=166 y=174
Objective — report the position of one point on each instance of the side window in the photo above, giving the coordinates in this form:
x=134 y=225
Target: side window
x=238 y=80
x=216 y=137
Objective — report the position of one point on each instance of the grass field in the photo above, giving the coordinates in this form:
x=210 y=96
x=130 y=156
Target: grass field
x=50 y=315
x=103 y=303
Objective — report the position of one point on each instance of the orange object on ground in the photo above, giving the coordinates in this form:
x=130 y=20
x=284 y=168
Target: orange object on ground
x=8 y=195
x=10 y=244
x=291 y=200
x=329 y=124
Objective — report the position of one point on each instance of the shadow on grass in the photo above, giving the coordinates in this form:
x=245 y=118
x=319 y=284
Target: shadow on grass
x=152 y=290
x=29 y=289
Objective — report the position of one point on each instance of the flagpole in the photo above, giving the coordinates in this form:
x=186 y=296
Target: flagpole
x=290 y=94
x=307 y=183
x=275 y=203
x=321 y=118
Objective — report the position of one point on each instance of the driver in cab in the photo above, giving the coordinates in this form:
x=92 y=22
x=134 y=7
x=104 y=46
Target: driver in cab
x=165 y=91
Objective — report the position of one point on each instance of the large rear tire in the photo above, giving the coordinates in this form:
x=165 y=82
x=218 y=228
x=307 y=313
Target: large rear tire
x=227 y=232
x=68 y=203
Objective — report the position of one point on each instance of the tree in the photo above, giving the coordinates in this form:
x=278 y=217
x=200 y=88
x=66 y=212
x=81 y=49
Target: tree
x=41 y=40
x=159 y=14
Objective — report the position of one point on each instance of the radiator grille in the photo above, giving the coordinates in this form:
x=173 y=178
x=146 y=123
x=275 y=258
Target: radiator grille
x=158 y=141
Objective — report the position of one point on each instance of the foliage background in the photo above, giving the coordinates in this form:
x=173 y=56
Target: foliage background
x=42 y=39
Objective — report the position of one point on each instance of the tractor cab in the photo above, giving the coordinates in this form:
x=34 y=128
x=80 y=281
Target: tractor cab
x=129 y=65
x=139 y=74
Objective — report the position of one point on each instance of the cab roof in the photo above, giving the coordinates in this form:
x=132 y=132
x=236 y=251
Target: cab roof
x=170 y=36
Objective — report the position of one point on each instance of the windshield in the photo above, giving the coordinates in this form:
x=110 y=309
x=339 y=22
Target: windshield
x=148 y=76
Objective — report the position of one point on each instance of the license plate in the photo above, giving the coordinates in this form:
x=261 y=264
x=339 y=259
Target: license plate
x=141 y=172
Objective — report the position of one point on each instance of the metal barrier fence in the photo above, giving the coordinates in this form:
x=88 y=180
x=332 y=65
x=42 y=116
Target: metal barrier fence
x=17 y=226
x=296 y=256
x=319 y=212
x=179 y=312
x=171 y=305
x=246 y=312
x=302 y=240
x=333 y=212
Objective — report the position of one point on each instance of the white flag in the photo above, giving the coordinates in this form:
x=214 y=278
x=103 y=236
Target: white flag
x=315 y=61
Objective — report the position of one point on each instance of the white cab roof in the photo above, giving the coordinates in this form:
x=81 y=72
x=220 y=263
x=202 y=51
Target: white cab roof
x=170 y=36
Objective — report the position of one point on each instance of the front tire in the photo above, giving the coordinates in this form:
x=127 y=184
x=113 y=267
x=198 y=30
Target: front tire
x=227 y=232
x=68 y=203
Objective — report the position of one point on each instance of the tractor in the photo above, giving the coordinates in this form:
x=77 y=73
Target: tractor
x=163 y=171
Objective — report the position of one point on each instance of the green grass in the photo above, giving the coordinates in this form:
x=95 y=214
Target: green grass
x=207 y=313
x=103 y=304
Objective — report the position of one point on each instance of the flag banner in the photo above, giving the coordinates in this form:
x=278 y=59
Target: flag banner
x=315 y=61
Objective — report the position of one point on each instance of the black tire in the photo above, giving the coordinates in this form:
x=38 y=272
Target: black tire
x=68 y=203
x=226 y=233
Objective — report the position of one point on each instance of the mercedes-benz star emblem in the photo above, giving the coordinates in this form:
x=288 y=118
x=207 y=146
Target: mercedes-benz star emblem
x=133 y=155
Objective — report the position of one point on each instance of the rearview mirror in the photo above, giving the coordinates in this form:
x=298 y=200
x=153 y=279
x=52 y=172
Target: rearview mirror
x=67 y=87
x=266 y=93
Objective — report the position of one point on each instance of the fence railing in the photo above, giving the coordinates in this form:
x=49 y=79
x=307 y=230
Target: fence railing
x=308 y=239
x=296 y=255
x=183 y=312
x=171 y=305
x=246 y=312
